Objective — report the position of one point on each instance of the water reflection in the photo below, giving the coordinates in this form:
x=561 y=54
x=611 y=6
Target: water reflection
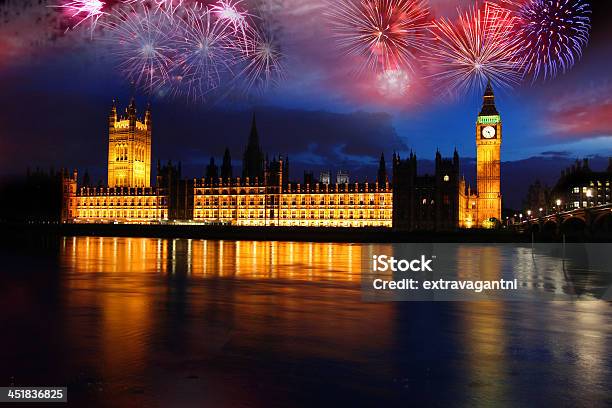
x=484 y=340
x=154 y=322
x=240 y=259
x=147 y=300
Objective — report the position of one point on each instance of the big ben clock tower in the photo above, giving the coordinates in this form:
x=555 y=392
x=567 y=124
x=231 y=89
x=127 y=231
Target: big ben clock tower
x=488 y=145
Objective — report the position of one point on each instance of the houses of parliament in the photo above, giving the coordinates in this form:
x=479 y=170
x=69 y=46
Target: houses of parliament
x=263 y=195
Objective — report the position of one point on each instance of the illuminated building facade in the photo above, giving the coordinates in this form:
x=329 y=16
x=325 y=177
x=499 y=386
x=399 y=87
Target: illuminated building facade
x=264 y=196
x=273 y=201
x=139 y=205
x=129 y=148
x=128 y=197
x=482 y=208
x=308 y=205
x=581 y=187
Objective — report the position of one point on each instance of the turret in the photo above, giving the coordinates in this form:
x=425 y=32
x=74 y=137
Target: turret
x=456 y=160
x=147 y=117
x=253 y=159
x=212 y=171
x=112 y=116
x=274 y=171
x=286 y=169
x=226 y=165
x=131 y=113
x=382 y=171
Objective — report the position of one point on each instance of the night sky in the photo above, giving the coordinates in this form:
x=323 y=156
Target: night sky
x=57 y=90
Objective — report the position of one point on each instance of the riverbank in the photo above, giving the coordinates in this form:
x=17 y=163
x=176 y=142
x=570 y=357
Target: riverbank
x=308 y=234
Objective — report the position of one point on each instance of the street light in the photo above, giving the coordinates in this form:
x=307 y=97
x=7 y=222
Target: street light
x=529 y=213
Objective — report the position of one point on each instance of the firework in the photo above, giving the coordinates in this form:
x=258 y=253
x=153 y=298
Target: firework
x=228 y=11
x=551 y=34
x=385 y=33
x=393 y=82
x=262 y=59
x=169 y=5
x=475 y=48
x=83 y=10
x=142 y=42
x=188 y=48
x=206 y=53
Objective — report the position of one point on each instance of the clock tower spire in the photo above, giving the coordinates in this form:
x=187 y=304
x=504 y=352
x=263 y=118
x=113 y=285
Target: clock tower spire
x=488 y=160
x=488 y=102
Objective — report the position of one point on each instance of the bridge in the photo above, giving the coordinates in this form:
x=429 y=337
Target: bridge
x=597 y=219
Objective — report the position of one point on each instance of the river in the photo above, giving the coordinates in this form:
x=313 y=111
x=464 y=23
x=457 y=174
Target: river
x=182 y=323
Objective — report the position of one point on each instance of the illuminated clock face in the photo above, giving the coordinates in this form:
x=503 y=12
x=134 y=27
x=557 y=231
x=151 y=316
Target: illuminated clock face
x=488 y=132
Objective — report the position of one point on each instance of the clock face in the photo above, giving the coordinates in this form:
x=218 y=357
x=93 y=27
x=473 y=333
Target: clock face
x=488 y=132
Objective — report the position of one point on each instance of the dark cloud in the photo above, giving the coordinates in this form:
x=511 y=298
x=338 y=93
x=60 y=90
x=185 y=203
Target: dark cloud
x=313 y=139
x=562 y=153
x=71 y=130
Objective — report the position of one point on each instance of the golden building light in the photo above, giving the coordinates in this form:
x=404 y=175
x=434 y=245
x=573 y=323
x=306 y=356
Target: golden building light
x=241 y=202
x=483 y=207
x=264 y=197
x=129 y=148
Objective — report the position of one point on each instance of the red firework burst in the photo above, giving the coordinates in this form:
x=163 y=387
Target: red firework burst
x=476 y=48
x=385 y=33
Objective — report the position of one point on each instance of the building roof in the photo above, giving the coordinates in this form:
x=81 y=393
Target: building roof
x=488 y=102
